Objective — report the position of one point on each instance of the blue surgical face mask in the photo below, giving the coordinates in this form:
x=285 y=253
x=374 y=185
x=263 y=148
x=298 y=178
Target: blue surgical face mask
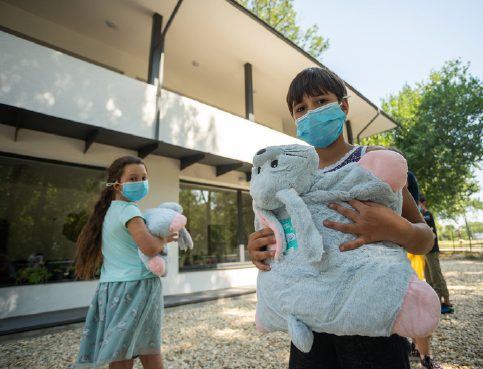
x=322 y=126
x=135 y=191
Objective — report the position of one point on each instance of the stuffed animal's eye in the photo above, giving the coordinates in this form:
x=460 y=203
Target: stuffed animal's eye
x=258 y=170
x=274 y=164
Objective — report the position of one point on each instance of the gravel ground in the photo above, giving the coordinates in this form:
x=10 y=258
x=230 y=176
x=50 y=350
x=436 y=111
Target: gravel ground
x=221 y=334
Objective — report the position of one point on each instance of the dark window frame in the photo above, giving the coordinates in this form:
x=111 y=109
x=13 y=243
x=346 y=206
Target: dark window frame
x=240 y=231
x=41 y=160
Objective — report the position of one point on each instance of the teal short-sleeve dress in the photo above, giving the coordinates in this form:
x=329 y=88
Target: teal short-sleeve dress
x=124 y=317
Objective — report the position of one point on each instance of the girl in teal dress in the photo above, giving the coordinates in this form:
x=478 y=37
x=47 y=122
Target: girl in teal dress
x=124 y=317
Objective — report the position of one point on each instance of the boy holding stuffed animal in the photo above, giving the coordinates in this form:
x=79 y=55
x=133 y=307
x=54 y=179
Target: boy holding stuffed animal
x=317 y=100
x=371 y=291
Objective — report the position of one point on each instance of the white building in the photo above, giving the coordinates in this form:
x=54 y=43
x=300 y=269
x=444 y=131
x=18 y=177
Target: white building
x=79 y=87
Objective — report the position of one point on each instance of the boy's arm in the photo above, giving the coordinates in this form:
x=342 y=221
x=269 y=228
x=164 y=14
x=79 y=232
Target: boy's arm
x=373 y=222
x=419 y=237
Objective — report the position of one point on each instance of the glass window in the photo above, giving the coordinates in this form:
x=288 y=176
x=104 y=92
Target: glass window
x=219 y=224
x=44 y=205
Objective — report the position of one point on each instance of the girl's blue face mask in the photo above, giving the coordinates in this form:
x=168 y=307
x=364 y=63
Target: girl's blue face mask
x=135 y=191
x=322 y=126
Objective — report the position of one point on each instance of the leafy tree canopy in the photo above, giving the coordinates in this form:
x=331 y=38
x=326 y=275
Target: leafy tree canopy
x=476 y=227
x=281 y=15
x=440 y=135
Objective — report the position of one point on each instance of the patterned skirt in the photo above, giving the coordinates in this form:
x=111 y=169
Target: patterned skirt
x=123 y=322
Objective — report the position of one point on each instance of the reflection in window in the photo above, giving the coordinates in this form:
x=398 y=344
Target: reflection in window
x=44 y=205
x=219 y=220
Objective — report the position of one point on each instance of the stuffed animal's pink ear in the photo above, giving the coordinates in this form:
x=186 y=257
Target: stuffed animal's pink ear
x=388 y=165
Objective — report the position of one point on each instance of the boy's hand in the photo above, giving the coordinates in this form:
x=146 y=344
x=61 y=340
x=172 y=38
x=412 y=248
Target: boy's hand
x=371 y=222
x=257 y=241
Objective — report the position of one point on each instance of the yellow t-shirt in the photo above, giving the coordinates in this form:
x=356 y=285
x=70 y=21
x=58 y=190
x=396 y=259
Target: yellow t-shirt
x=417 y=262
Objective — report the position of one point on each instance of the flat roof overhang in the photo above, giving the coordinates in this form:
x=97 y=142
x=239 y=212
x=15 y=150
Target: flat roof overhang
x=26 y=119
x=206 y=47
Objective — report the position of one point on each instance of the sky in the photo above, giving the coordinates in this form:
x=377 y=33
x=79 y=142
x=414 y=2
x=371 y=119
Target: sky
x=378 y=46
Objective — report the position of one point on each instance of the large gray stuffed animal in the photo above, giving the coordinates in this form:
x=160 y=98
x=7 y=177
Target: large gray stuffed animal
x=312 y=286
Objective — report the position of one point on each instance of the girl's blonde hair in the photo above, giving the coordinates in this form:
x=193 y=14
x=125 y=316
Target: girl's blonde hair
x=88 y=258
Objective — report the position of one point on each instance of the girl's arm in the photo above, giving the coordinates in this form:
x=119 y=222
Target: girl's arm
x=148 y=244
x=373 y=222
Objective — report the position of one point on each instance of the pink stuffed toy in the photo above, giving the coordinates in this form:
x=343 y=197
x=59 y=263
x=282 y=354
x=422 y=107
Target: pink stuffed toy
x=164 y=221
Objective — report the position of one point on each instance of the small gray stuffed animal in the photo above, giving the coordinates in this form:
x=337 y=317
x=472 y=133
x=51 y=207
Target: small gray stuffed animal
x=312 y=286
x=164 y=221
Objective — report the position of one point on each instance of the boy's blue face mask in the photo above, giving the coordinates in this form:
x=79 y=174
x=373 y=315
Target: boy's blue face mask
x=135 y=191
x=322 y=126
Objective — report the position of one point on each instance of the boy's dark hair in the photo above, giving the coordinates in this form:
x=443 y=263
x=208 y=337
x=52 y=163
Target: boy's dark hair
x=422 y=198
x=314 y=82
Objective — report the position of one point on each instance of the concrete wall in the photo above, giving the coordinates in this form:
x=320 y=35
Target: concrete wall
x=37 y=78
x=19 y=20
x=190 y=123
x=43 y=80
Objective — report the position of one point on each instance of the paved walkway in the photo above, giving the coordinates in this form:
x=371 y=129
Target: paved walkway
x=30 y=325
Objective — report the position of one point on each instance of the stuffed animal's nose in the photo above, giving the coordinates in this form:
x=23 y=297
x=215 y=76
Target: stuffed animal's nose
x=260 y=152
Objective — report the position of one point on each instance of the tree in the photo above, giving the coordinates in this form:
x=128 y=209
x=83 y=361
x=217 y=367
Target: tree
x=476 y=227
x=447 y=232
x=281 y=15
x=440 y=135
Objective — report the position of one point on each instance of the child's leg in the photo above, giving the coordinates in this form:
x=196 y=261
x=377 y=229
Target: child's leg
x=124 y=364
x=420 y=311
x=423 y=345
x=152 y=361
x=437 y=278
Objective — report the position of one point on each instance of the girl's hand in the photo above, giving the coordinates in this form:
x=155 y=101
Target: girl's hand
x=171 y=238
x=257 y=241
